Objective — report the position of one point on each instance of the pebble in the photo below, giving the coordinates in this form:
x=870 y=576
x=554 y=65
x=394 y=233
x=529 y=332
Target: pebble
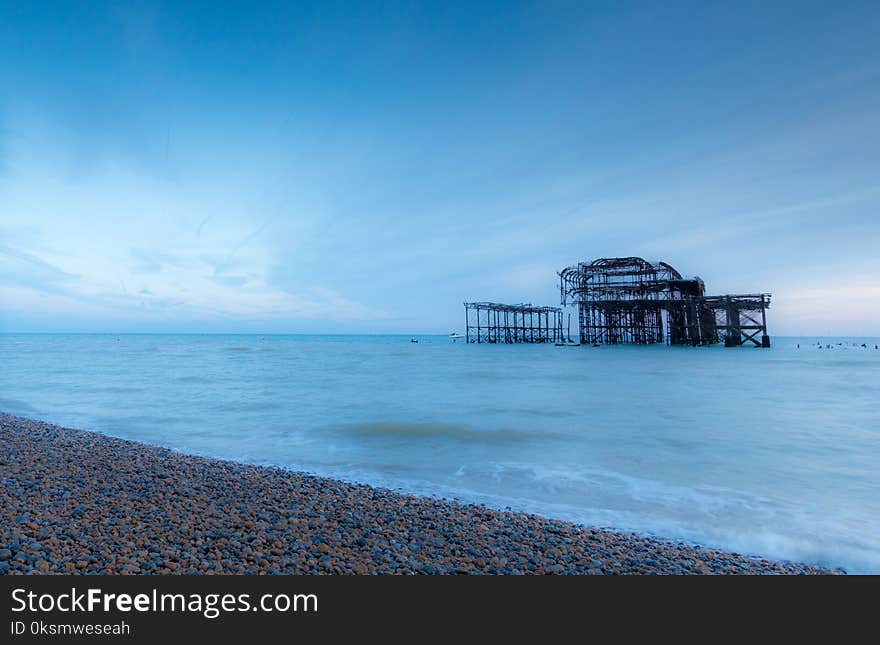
x=79 y=502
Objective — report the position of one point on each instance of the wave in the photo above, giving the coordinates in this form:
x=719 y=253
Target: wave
x=702 y=514
x=802 y=537
x=457 y=432
x=16 y=406
x=192 y=378
x=545 y=412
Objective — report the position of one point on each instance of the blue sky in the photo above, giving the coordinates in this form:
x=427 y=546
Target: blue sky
x=307 y=167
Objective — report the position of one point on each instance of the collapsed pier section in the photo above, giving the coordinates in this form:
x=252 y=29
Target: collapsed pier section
x=492 y=322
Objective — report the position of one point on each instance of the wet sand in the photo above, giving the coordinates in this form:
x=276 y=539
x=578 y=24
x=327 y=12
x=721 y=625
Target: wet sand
x=74 y=501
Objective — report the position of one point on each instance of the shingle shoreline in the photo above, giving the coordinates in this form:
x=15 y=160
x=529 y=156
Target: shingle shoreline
x=74 y=501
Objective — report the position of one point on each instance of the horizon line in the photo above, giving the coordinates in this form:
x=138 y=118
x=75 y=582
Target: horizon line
x=243 y=333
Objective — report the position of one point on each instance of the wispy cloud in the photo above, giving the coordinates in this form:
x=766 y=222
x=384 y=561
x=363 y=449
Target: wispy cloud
x=27 y=269
x=230 y=280
x=147 y=262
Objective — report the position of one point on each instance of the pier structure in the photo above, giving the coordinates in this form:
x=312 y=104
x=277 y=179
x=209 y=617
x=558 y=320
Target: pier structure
x=740 y=319
x=631 y=300
x=492 y=322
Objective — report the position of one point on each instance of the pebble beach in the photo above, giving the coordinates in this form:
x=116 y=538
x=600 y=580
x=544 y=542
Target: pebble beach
x=74 y=501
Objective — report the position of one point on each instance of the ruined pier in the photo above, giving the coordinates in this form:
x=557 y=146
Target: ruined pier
x=631 y=300
x=626 y=301
x=492 y=322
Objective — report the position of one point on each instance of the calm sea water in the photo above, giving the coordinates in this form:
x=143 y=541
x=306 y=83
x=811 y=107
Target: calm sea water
x=768 y=452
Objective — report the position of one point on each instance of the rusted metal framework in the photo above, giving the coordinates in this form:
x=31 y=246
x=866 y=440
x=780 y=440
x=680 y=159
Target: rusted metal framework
x=631 y=300
x=492 y=322
x=740 y=319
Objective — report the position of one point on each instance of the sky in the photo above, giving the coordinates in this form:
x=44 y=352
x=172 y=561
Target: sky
x=365 y=168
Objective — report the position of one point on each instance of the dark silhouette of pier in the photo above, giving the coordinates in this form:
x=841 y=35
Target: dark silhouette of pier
x=492 y=322
x=629 y=300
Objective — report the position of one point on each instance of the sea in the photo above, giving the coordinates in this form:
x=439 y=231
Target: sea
x=773 y=452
